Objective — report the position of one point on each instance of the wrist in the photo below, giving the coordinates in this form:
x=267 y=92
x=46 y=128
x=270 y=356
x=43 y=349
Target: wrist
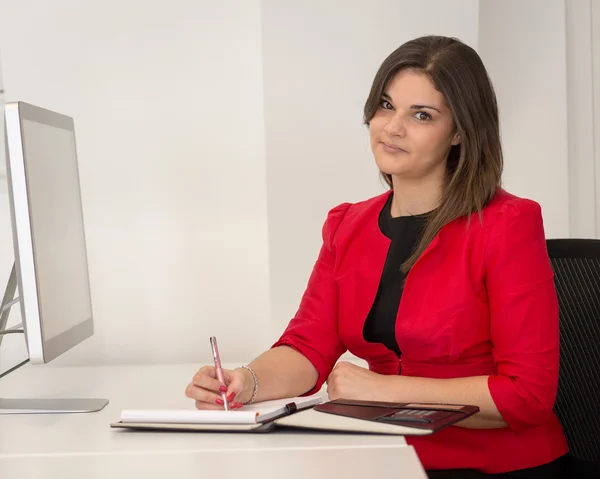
x=250 y=385
x=392 y=388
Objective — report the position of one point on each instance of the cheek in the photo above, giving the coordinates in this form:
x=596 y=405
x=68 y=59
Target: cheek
x=431 y=140
x=375 y=128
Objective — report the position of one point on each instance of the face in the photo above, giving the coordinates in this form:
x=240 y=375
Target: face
x=413 y=128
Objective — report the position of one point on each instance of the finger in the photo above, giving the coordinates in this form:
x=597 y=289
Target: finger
x=332 y=392
x=201 y=394
x=344 y=364
x=333 y=395
x=206 y=379
x=236 y=385
x=229 y=375
x=233 y=391
x=210 y=371
x=208 y=406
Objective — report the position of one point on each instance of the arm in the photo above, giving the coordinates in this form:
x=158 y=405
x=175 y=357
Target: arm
x=302 y=358
x=524 y=324
x=281 y=372
x=349 y=381
x=472 y=390
x=523 y=329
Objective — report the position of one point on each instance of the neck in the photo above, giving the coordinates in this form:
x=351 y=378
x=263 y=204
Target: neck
x=415 y=197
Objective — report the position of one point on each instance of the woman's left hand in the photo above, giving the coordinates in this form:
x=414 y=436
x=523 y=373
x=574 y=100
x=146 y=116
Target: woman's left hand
x=349 y=381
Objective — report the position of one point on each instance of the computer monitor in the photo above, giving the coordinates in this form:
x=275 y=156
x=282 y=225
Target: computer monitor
x=51 y=265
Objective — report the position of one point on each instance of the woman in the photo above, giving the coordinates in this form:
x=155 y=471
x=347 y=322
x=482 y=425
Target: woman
x=442 y=284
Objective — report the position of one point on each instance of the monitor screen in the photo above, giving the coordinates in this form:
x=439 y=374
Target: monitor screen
x=48 y=230
x=57 y=226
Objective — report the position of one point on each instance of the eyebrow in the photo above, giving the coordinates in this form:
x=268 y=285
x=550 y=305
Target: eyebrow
x=414 y=107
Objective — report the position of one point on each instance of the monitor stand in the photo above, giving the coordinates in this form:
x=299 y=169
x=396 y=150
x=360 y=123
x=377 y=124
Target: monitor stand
x=51 y=406
x=33 y=405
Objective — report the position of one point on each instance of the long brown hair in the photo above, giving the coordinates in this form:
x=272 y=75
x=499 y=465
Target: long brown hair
x=474 y=167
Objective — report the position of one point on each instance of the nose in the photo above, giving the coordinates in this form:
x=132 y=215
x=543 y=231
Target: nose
x=395 y=126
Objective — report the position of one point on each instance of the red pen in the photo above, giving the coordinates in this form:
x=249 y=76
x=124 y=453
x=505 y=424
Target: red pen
x=219 y=369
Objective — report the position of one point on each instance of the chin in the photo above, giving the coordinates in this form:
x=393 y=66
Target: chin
x=393 y=166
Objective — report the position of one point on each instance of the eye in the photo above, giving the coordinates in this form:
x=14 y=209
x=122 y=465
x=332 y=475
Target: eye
x=422 y=116
x=386 y=105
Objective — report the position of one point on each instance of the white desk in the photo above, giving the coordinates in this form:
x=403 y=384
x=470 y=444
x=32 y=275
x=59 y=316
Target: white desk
x=70 y=445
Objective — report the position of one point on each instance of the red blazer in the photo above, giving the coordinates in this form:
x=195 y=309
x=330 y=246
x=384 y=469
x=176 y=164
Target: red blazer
x=479 y=301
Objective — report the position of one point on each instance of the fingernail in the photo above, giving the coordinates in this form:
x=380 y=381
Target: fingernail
x=219 y=402
x=236 y=405
x=231 y=396
x=223 y=389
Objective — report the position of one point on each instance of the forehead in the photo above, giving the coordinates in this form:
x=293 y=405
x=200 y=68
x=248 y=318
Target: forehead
x=409 y=87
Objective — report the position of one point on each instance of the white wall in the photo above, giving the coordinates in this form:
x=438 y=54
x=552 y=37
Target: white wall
x=594 y=25
x=169 y=121
x=169 y=112
x=185 y=152
x=582 y=104
x=319 y=62
x=523 y=45
x=583 y=87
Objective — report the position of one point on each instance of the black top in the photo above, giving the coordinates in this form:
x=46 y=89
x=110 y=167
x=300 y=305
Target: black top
x=404 y=231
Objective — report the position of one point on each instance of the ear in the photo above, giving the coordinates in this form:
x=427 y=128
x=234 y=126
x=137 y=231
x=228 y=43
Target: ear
x=455 y=140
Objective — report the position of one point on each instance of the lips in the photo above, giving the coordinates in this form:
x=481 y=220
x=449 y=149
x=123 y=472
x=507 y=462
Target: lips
x=392 y=147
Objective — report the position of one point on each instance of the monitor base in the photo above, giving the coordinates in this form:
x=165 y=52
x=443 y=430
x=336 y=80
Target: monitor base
x=51 y=406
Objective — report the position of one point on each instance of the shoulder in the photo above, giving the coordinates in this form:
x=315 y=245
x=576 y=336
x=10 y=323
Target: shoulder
x=505 y=202
x=347 y=216
x=515 y=246
x=505 y=217
x=506 y=209
x=514 y=226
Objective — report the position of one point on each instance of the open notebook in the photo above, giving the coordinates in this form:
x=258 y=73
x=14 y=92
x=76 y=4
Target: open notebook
x=312 y=412
x=248 y=417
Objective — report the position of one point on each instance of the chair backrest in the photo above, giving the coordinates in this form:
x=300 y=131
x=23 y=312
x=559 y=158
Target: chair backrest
x=576 y=265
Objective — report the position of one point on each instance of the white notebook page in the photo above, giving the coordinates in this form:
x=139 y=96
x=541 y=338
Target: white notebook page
x=248 y=414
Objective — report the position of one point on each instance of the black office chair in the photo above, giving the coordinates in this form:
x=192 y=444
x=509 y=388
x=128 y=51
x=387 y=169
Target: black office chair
x=576 y=265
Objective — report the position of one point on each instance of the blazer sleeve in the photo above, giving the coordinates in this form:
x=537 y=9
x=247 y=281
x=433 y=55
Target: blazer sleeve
x=523 y=317
x=313 y=331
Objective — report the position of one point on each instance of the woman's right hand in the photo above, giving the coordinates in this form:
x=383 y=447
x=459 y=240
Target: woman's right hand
x=206 y=389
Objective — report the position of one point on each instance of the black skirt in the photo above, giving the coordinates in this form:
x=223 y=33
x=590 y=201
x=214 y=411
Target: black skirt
x=552 y=470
